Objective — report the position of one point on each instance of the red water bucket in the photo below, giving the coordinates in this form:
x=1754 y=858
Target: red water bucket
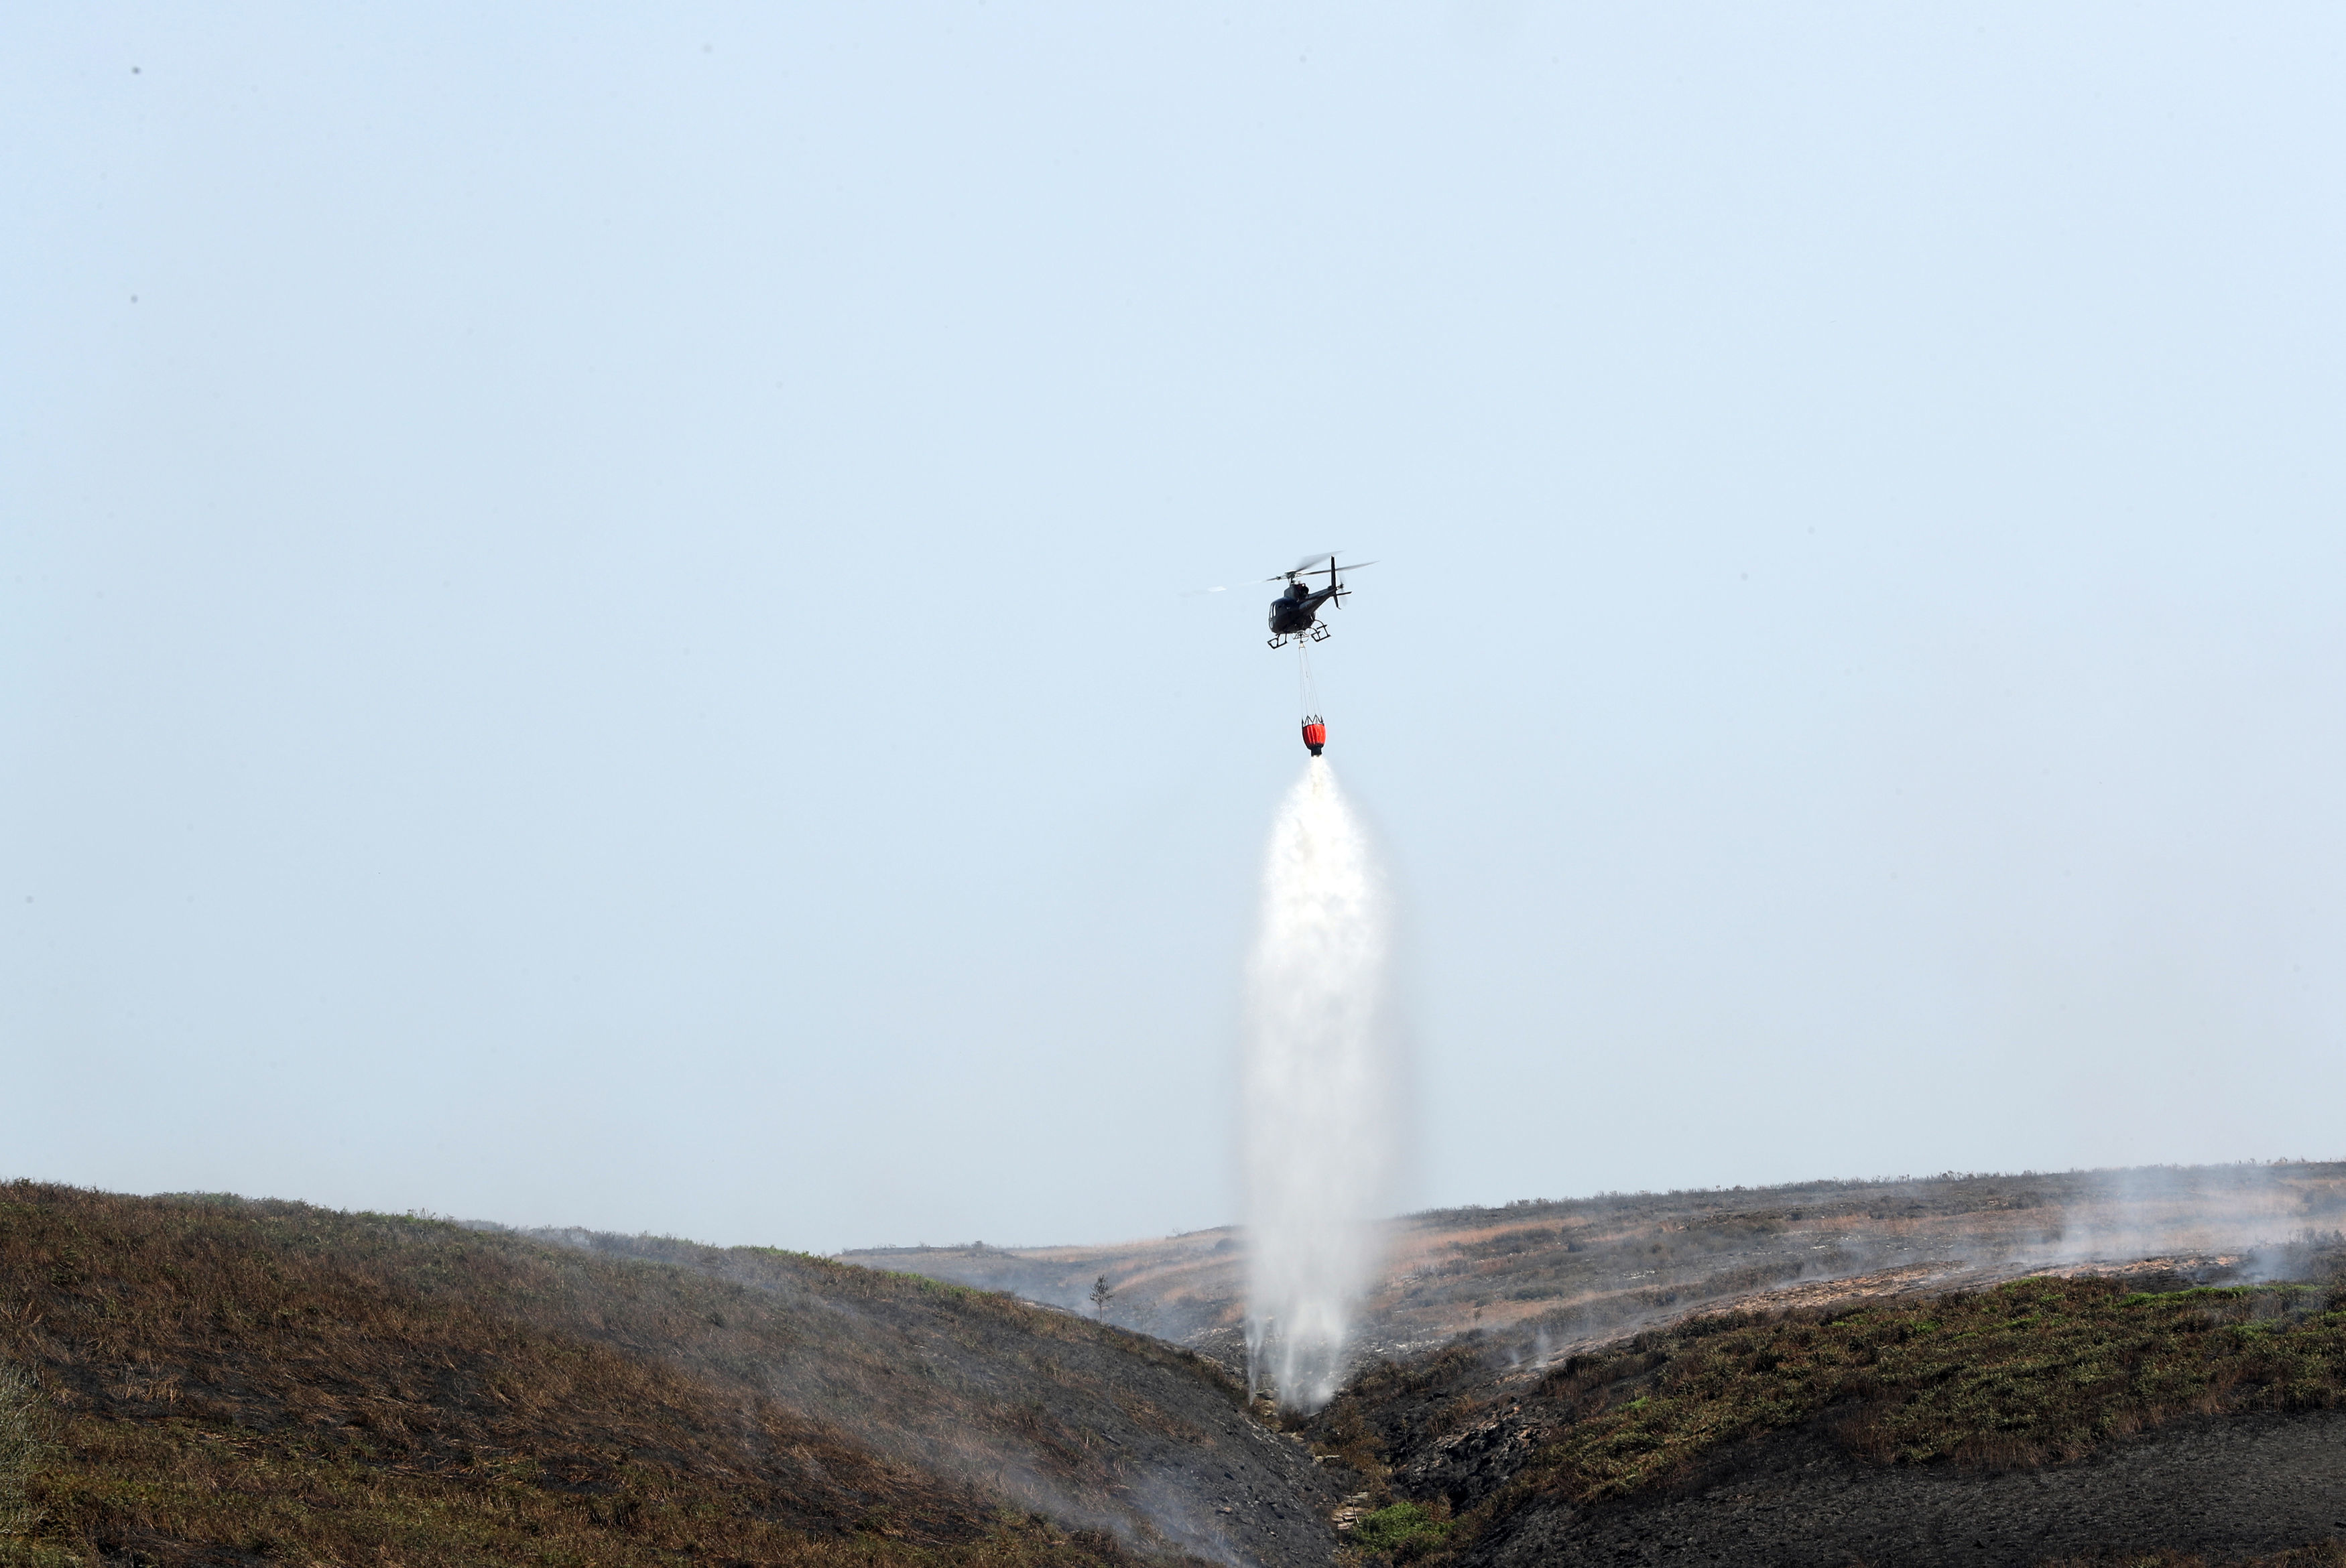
x=1315 y=735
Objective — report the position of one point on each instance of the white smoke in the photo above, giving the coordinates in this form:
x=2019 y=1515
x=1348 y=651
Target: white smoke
x=1321 y=1082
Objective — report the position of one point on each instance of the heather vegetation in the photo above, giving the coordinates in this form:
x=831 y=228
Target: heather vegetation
x=1562 y=1273
x=23 y=1425
x=1589 y=1269
x=196 y=1380
x=2033 y=1372
x=215 y=1380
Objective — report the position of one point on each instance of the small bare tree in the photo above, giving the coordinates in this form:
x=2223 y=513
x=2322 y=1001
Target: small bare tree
x=1101 y=1294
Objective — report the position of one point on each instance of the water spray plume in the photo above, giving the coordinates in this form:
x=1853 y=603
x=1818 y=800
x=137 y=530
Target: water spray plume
x=1322 y=1107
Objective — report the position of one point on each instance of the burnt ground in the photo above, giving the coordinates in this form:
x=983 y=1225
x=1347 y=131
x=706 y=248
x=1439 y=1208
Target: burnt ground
x=2224 y=1490
x=1158 y=1438
x=1974 y=1426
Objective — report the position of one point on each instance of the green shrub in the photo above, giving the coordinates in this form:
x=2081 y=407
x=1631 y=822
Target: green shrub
x=1405 y=1530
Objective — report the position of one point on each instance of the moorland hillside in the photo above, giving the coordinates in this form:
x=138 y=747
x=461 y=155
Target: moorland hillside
x=214 y=1380
x=2087 y=1419
x=202 y=1380
x=1557 y=1276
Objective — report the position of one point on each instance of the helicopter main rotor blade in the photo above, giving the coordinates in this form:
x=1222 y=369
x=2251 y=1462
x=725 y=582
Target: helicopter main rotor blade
x=1321 y=571
x=1307 y=570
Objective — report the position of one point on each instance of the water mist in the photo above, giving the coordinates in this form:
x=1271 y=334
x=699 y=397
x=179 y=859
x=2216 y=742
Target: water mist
x=1321 y=1092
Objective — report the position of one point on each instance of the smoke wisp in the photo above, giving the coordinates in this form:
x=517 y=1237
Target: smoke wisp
x=1321 y=1086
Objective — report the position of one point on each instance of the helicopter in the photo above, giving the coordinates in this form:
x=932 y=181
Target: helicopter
x=1295 y=613
x=1295 y=618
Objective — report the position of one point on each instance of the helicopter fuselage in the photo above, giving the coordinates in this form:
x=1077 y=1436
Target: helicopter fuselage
x=1292 y=613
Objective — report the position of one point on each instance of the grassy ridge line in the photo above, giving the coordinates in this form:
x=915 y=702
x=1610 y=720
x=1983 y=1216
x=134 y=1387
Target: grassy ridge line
x=1569 y=1271
x=232 y=1380
x=2035 y=1372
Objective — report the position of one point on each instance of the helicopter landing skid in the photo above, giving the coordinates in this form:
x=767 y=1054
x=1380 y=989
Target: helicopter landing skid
x=1279 y=641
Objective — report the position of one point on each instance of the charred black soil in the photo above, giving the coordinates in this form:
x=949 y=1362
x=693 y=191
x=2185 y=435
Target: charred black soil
x=2223 y=1490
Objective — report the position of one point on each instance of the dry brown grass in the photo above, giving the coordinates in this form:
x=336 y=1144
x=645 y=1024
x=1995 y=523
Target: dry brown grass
x=226 y=1382
x=1575 y=1273
x=25 y=1429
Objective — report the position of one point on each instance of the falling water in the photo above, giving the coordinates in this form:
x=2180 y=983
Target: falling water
x=1321 y=1103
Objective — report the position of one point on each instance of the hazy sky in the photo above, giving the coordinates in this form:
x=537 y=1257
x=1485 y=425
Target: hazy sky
x=591 y=627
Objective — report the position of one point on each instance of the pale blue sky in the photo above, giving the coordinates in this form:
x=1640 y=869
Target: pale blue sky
x=603 y=643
